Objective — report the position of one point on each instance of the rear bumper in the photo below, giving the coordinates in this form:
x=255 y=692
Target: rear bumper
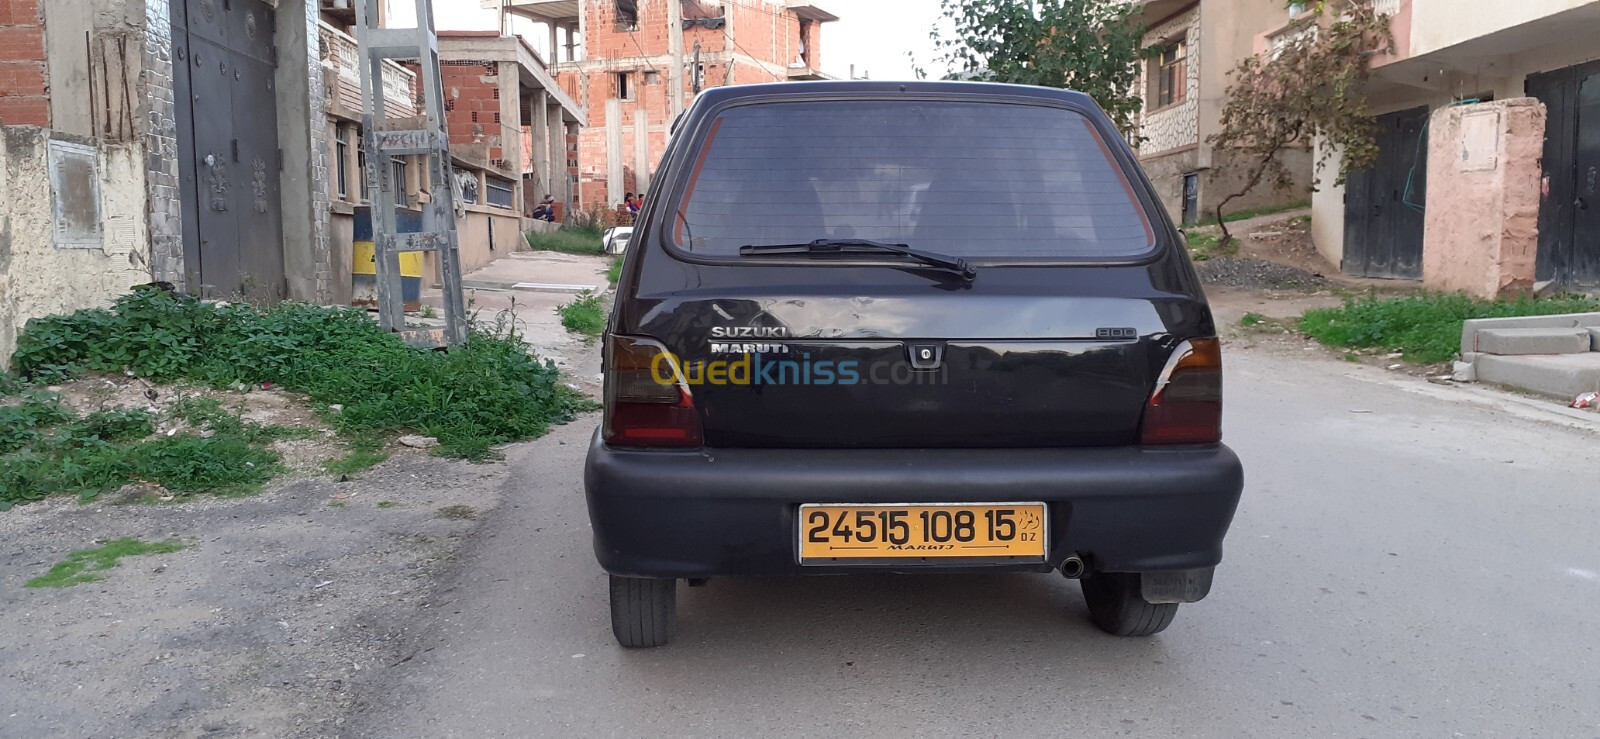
x=721 y=512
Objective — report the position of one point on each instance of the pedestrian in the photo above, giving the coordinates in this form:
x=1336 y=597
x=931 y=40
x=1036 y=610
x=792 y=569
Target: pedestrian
x=546 y=210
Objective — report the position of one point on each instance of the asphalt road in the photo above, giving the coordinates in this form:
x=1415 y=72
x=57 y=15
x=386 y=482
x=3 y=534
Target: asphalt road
x=1406 y=562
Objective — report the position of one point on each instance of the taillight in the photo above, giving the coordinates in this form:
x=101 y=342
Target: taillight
x=1186 y=407
x=648 y=403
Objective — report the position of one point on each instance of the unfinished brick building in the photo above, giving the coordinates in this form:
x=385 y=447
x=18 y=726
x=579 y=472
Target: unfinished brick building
x=635 y=64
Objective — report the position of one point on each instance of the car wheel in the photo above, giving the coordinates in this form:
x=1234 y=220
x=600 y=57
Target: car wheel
x=644 y=611
x=1118 y=607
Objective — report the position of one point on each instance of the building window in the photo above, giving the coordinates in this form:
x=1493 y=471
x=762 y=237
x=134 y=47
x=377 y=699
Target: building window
x=627 y=15
x=652 y=77
x=500 y=192
x=624 y=88
x=341 y=155
x=401 y=183
x=1171 y=72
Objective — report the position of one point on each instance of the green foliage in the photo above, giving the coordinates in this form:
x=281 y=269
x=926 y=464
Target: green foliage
x=1252 y=319
x=568 y=241
x=585 y=315
x=1093 y=46
x=51 y=451
x=82 y=566
x=485 y=392
x=614 y=274
x=1427 y=328
x=1245 y=215
x=1207 y=246
x=1314 y=85
x=366 y=452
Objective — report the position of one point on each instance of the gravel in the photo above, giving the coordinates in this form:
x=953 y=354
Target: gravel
x=1256 y=274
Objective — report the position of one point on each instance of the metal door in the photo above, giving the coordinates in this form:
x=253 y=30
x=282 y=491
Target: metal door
x=1191 y=199
x=1569 y=211
x=1384 y=203
x=228 y=144
x=1586 y=206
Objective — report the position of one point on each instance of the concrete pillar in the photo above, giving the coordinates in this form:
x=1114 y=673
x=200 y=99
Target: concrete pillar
x=641 y=151
x=555 y=43
x=1484 y=183
x=302 y=128
x=675 y=48
x=615 y=188
x=555 y=171
x=541 y=142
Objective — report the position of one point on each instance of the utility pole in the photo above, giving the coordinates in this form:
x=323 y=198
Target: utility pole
x=675 y=48
x=697 y=81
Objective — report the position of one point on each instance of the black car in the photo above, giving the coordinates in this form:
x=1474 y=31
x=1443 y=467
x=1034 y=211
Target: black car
x=921 y=327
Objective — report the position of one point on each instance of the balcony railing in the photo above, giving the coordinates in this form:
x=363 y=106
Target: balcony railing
x=341 y=59
x=1386 y=7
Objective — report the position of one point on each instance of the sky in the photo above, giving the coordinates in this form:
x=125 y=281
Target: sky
x=874 y=35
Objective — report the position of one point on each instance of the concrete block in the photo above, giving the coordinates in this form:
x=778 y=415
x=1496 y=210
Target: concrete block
x=1563 y=376
x=1470 y=329
x=1526 y=341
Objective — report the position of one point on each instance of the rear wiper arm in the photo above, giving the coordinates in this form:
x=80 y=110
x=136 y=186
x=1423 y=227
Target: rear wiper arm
x=825 y=247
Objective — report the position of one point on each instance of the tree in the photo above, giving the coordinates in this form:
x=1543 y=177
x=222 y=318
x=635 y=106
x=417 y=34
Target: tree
x=1312 y=84
x=1092 y=46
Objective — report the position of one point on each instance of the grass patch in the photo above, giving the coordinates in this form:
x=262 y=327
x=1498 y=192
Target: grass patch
x=1252 y=319
x=49 y=450
x=83 y=565
x=584 y=316
x=566 y=241
x=458 y=512
x=488 y=391
x=366 y=452
x=614 y=274
x=386 y=504
x=1425 y=328
x=1245 y=215
x=1207 y=246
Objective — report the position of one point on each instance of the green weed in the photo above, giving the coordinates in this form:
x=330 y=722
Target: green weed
x=487 y=391
x=1427 y=327
x=386 y=504
x=366 y=452
x=82 y=566
x=1244 y=215
x=458 y=512
x=585 y=315
x=574 y=241
x=1252 y=319
x=614 y=274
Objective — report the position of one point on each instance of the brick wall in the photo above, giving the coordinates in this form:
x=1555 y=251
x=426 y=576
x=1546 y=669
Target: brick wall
x=24 y=94
x=472 y=104
x=764 y=30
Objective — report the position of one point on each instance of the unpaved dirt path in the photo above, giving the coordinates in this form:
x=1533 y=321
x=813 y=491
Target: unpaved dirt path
x=278 y=610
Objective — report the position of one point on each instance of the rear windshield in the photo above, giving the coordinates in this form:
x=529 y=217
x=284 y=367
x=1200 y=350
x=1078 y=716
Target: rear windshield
x=976 y=180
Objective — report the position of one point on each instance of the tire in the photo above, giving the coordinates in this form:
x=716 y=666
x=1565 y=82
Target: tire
x=1118 y=608
x=644 y=611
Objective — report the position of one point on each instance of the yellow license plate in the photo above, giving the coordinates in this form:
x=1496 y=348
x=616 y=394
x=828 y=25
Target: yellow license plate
x=1006 y=531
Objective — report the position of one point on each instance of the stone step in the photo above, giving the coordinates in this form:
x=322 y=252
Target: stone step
x=1564 y=376
x=1530 y=341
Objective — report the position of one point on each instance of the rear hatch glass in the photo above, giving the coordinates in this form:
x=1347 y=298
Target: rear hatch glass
x=983 y=181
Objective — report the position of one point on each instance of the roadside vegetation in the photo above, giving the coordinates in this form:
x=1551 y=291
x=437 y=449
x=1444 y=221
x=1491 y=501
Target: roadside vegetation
x=1426 y=327
x=84 y=565
x=1204 y=247
x=565 y=241
x=586 y=315
x=1245 y=215
x=365 y=384
x=614 y=274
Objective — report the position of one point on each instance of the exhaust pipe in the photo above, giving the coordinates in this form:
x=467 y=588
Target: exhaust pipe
x=1073 y=567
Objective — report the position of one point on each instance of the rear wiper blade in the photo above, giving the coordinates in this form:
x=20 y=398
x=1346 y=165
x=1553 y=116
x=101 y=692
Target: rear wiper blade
x=826 y=247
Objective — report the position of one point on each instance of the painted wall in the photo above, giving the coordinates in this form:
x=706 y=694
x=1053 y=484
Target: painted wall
x=1437 y=24
x=1482 y=233
x=39 y=277
x=1327 y=210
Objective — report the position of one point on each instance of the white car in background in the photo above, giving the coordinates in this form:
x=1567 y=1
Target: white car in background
x=616 y=239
